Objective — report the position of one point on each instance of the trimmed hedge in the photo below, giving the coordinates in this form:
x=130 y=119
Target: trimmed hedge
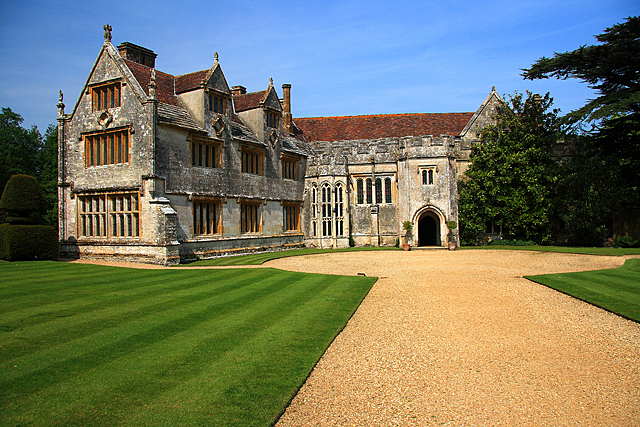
x=28 y=242
x=22 y=195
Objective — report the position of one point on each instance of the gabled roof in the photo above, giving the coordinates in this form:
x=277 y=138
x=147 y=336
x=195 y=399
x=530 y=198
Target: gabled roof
x=343 y=128
x=164 y=82
x=249 y=101
x=190 y=81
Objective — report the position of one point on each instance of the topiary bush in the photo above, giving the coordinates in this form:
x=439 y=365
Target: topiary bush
x=28 y=242
x=24 y=236
x=22 y=196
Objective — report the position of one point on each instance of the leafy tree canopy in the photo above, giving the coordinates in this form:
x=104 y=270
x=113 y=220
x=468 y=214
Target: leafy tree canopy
x=612 y=68
x=19 y=147
x=512 y=174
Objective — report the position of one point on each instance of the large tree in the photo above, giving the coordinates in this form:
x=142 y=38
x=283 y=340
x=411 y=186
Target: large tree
x=603 y=175
x=611 y=68
x=512 y=176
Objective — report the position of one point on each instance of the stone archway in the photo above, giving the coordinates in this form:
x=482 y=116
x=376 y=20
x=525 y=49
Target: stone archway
x=429 y=230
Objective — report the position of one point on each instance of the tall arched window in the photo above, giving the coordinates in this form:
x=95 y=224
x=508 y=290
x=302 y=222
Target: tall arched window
x=387 y=190
x=369 y=191
x=378 y=191
x=326 y=210
x=339 y=211
x=314 y=211
x=360 y=190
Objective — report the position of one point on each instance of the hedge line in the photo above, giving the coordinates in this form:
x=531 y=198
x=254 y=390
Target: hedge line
x=28 y=242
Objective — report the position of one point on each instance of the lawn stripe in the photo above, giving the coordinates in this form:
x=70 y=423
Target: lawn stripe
x=616 y=290
x=129 y=289
x=244 y=318
x=136 y=305
x=203 y=334
x=288 y=337
x=106 y=334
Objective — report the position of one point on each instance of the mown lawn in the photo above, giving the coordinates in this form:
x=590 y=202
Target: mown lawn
x=261 y=258
x=85 y=345
x=616 y=290
x=564 y=249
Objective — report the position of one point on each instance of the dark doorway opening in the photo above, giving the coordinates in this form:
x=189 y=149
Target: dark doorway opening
x=429 y=230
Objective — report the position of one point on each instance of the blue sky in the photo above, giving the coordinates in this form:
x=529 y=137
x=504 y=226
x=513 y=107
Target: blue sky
x=341 y=57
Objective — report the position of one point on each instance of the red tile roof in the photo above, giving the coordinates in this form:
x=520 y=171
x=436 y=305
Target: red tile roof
x=248 y=101
x=382 y=126
x=164 y=82
x=187 y=82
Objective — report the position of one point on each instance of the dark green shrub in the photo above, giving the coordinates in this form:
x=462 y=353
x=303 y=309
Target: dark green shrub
x=625 y=242
x=507 y=242
x=22 y=196
x=352 y=242
x=28 y=242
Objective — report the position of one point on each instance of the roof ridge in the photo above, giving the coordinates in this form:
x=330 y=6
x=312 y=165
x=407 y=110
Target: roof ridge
x=382 y=114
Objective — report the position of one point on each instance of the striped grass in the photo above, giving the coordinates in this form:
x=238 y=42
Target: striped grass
x=101 y=346
x=616 y=290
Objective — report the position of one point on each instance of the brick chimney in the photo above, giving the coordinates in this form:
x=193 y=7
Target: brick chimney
x=138 y=54
x=238 y=90
x=286 y=107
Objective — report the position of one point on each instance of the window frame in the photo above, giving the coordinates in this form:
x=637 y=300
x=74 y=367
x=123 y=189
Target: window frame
x=217 y=103
x=428 y=175
x=250 y=217
x=326 y=215
x=98 y=146
x=290 y=168
x=206 y=153
x=291 y=217
x=212 y=208
x=252 y=160
x=117 y=215
x=272 y=119
x=111 y=90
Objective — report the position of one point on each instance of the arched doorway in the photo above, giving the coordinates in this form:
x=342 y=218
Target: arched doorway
x=429 y=230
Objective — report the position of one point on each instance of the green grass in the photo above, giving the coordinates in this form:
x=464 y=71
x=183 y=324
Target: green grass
x=86 y=345
x=564 y=249
x=616 y=290
x=257 y=259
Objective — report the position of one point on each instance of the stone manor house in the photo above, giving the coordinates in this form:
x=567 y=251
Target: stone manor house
x=161 y=168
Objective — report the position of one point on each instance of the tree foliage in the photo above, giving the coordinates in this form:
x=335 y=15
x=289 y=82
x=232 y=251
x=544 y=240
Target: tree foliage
x=26 y=152
x=19 y=147
x=512 y=177
x=611 y=68
x=603 y=173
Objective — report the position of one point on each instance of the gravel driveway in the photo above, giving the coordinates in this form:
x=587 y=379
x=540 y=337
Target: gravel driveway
x=460 y=338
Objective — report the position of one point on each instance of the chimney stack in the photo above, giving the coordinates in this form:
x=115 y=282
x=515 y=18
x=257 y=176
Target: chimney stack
x=238 y=90
x=138 y=54
x=286 y=107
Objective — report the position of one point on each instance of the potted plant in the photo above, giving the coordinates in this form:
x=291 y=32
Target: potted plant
x=452 y=225
x=407 y=226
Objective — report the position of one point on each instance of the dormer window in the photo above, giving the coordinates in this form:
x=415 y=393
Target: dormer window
x=105 y=96
x=216 y=104
x=272 y=120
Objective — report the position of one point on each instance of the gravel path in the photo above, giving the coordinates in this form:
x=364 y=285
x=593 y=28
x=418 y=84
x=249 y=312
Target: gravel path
x=460 y=338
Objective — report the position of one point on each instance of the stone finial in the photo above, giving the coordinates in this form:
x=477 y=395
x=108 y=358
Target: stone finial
x=270 y=81
x=152 y=84
x=60 y=105
x=493 y=88
x=107 y=32
x=215 y=57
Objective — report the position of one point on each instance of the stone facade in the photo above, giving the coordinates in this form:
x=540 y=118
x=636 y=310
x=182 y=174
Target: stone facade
x=161 y=168
x=370 y=174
